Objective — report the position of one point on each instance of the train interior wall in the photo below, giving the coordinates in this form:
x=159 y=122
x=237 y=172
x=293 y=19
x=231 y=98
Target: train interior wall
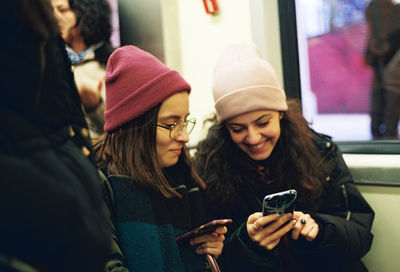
x=191 y=41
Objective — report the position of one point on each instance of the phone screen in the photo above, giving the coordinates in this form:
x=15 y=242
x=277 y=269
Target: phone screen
x=203 y=229
x=279 y=203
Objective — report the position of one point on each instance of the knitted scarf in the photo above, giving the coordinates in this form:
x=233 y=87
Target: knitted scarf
x=148 y=223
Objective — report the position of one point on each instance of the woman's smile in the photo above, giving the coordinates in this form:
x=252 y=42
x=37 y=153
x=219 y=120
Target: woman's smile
x=257 y=148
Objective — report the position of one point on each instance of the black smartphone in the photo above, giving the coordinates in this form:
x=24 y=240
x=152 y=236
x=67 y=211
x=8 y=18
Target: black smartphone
x=203 y=229
x=279 y=203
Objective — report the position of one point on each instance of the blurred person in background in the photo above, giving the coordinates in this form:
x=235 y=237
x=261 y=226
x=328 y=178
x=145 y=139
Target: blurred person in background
x=86 y=29
x=383 y=17
x=391 y=83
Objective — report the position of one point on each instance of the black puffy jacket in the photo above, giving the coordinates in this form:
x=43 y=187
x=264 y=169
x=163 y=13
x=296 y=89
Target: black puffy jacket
x=344 y=218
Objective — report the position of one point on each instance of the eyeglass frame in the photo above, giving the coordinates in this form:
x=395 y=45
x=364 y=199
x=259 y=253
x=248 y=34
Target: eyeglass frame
x=181 y=124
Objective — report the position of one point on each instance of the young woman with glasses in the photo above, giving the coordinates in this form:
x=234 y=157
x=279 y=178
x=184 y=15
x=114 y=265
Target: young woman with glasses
x=153 y=193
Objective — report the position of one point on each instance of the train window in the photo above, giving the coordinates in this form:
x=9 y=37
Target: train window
x=326 y=63
x=115 y=35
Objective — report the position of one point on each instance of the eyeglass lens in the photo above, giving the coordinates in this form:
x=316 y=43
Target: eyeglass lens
x=178 y=129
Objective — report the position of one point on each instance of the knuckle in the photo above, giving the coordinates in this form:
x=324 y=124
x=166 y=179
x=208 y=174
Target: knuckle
x=263 y=243
x=269 y=246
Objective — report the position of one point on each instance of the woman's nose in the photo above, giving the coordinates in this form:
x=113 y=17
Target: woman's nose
x=253 y=136
x=183 y=136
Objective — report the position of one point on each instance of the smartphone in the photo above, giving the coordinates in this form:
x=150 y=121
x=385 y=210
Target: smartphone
x=204 y=229
x=279 y=203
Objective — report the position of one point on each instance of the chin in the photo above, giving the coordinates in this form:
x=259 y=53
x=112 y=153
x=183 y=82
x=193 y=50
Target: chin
x=169 y=163
x=259 y=156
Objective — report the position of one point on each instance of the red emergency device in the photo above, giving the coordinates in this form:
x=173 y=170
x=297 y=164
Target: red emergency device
x=210 y=6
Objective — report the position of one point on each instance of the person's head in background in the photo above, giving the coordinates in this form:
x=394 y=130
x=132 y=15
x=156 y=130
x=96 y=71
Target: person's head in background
x=146 y=119
x=83 y=23
x=255 y=125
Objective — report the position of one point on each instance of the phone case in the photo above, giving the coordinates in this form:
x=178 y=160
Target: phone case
x=279 y=203
x=203 y=229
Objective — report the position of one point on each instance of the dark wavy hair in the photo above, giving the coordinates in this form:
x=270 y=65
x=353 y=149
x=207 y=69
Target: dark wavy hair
x=94 y=18
x=130 y=150
x=294 y=163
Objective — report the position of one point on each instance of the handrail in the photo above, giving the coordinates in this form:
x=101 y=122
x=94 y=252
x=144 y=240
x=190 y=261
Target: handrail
x=370 y=147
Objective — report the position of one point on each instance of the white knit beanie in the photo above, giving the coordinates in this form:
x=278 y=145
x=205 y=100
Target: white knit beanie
x=244 y=82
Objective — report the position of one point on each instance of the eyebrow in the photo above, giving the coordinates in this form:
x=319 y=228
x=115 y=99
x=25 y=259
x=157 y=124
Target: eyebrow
x=257 y=120
x=172 y=116
x=62 y=5
x=263 y=116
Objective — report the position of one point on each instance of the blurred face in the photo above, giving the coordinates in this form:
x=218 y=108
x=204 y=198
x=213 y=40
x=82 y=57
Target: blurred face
x=66 y=19
x=256 y=132
x=174 y=110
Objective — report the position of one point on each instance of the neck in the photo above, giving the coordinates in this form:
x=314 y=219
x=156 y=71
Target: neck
x=78 y=44
x=263 y=163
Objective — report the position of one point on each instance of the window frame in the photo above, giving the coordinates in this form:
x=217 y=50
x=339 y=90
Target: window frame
x=291 y=79
x=363 y=176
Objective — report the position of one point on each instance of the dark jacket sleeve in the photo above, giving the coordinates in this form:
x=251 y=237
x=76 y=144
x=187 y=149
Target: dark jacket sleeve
x=242 y=254
x=115 y=260
x=344 y=217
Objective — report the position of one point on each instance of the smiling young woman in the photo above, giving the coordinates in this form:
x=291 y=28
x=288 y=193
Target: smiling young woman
x=255 y=133
x=260 y=144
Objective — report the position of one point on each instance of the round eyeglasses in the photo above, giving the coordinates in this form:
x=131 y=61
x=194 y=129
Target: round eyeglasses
x=176 y=129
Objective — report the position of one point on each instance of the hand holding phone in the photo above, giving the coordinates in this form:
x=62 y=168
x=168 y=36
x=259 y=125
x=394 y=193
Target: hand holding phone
x=207 y=228
x=279 y=203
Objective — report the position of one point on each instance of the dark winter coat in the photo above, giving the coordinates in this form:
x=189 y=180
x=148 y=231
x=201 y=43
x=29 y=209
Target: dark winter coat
x=52 y=212
x=344 y=219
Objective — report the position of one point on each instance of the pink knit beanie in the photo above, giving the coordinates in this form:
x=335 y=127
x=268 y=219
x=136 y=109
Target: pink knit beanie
x=136 y=81
x=244 y=82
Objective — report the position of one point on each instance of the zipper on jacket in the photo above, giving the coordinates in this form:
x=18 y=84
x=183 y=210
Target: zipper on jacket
x=346 y=201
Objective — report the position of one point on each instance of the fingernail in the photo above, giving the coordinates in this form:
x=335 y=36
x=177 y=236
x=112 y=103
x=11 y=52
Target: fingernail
x=294 y=222
x=277 y=215
x=289 y=215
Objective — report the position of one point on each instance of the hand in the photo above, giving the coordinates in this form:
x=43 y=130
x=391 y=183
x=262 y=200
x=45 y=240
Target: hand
x=67 y=21
x=267 y=231
x=90 y=95
x=305 y=226
x=210 y=243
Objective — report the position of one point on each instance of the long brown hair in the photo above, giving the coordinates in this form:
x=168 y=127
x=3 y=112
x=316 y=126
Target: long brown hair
x=294 y=163
x=130 y=150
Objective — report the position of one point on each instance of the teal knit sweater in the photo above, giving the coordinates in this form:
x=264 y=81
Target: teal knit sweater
x=147 y=224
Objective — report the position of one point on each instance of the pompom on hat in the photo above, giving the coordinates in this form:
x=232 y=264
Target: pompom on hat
x=136 y=81
x=244 y=82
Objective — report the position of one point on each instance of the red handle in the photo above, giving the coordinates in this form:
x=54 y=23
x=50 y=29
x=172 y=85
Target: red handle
x=213 y=263
x=210 y=6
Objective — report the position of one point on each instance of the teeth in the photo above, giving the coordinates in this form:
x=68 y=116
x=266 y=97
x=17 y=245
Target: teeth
x=258 y=146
